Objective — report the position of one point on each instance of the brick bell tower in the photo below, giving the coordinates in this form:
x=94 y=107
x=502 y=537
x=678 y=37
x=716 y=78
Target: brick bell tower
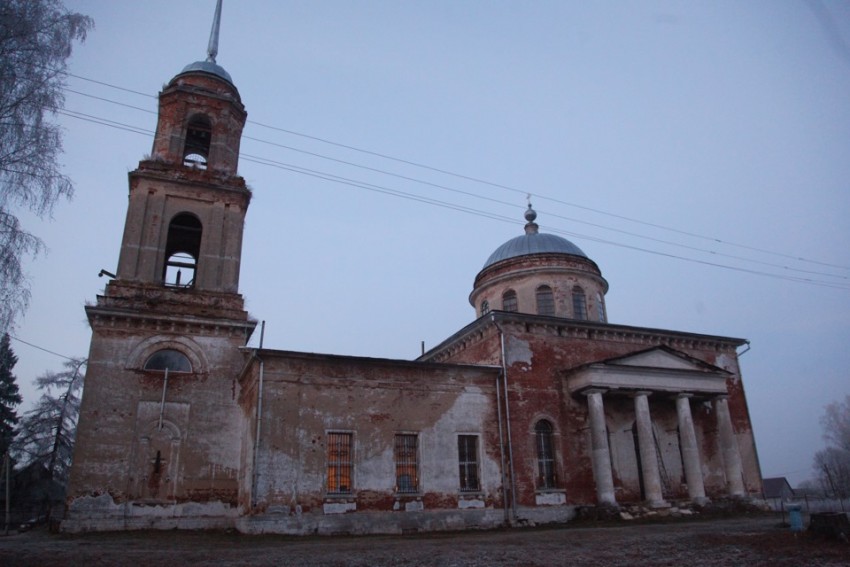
x=159 y=423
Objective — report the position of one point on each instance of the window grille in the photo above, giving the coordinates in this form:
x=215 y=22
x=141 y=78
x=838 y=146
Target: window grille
x=339 y=463
x=467 y=455
x=579 y=304
x=406 y=463
x=509 y=301
x=545 y=454
x=545 y=301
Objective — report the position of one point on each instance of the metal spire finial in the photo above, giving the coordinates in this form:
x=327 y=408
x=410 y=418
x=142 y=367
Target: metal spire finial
x=212 y=48
x=531 y=227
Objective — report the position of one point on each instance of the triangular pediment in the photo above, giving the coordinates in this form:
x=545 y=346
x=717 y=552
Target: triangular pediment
x=659 y=369
x=662 y=358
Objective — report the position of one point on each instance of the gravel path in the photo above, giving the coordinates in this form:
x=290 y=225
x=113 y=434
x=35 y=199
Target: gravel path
x=740 y=541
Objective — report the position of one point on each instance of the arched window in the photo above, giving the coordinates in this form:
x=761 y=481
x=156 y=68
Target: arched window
x=600 y=307
x=545 y=454
x=182 y=250
x=485 y=307
x=168 y=359
x=579 y=304
x=509 y=301
x=545 y=301
x=197 y=149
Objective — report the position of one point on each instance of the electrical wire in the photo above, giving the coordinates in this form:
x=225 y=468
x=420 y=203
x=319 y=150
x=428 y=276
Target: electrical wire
x=504 y=187
x=470 y=210
x=436 y=202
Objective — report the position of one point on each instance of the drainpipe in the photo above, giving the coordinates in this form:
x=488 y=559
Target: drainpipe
x=259 y=414
x=507 y=416
x=502 y=448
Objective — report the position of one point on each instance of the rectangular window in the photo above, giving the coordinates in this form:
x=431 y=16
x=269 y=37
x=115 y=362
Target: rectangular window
x=467 y=456
x=406 y=462
x=339 y=463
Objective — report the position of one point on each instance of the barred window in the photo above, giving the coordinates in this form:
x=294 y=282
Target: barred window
x=509 y=302
x=545 y=301
x=406 y=462
x=467 y=456
x=579 y=304
x=545 y=454
x=339 y=463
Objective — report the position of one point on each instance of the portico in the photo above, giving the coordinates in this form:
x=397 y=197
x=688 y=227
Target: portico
x=665 y=377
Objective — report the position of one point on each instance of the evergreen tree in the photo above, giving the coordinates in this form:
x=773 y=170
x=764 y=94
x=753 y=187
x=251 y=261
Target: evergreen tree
x=9 y=396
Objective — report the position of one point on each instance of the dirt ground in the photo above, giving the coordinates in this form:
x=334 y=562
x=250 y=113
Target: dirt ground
x=759 y=540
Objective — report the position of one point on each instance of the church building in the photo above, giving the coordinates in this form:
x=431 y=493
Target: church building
x=537 y=408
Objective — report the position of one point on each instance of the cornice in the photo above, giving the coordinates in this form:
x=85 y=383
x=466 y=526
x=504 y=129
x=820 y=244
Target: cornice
x=106 y=319
x=486 y=325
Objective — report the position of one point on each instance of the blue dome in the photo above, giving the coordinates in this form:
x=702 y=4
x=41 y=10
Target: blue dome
x=533 y=243
x=207 y=67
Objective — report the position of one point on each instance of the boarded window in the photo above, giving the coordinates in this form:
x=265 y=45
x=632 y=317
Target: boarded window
x=545 y=300
x=406 y=462
x=509 y=301
x=467 y=456
x=339 y=463
x=545 y=454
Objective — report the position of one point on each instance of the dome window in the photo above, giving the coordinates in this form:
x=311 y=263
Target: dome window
x=182 y=251
x=485 y=307
x=509 y=301
x=579 y=304
x=197 y=150
x=600 y=307
x=545 y=301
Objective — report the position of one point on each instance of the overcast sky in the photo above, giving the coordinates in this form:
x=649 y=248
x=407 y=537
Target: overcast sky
x=698 y=152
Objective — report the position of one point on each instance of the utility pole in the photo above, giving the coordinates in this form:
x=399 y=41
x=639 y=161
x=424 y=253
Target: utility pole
x=8 y=491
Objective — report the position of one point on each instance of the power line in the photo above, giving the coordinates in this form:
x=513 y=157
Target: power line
x=42 y=348
x=509 y=188
x=501 y=202
x=470 y=210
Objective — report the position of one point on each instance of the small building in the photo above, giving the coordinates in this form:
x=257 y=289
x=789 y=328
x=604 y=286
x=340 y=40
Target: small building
x=777 y=488
x=538 y=406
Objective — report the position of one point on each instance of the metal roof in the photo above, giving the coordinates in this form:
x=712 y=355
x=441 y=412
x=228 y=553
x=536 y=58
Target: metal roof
x=534 y=243
x=207 y=67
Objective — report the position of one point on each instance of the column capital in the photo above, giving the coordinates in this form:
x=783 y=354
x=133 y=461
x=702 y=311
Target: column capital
x=639 y=393
x=591 y=391
x=681 y=395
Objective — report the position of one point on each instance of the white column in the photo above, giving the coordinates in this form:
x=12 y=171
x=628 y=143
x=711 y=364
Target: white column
x=729 y=447
x=648 y=454
x=690 y=450
x=601 y=456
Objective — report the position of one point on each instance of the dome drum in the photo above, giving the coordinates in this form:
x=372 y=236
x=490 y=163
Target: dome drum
x=540 y=274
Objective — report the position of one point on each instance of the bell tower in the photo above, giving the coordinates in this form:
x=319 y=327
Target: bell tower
x=187 y=202
x=160 y=425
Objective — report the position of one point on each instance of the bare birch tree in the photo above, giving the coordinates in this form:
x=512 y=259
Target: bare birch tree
x=832 y=464
x=36 y=37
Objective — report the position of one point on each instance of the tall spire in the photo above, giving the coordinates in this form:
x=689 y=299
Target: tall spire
x=212 y=48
